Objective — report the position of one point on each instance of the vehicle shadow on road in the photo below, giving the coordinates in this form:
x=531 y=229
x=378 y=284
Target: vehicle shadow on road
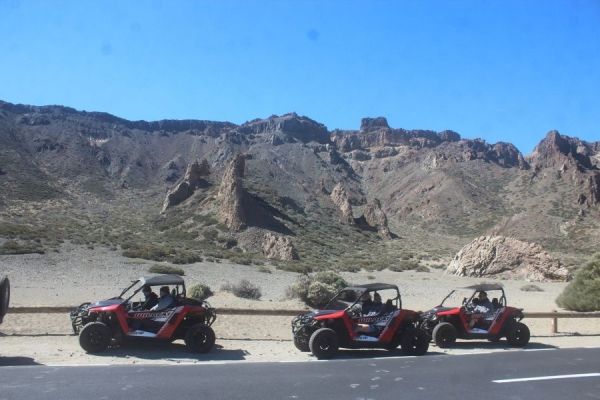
x=350 y=354
x=171 y=351
x=17 y=361
x=501 y=345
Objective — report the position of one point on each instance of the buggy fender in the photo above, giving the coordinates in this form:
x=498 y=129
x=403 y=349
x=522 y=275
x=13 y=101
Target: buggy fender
x=399 y=318
x=505 y=316
x=343 y=315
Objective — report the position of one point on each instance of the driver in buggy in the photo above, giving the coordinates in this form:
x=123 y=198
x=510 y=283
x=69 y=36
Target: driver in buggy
x=374 y=309
x=482 y=310
x=150 y=298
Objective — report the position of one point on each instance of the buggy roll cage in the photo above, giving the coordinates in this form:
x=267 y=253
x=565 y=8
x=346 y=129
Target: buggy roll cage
x=360 y=290
x=160 y=280
x=476 y=289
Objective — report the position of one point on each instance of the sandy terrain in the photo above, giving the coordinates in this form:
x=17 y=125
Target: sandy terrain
x=76 y=274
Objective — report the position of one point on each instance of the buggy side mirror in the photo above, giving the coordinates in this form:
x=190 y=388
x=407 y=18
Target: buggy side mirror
x=464 y=301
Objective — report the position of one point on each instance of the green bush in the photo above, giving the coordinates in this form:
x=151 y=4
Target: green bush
x=583 y=293
x=199 y=291
x=244 y=289
x=146 y=252
x=210 y=234
x=531 y=288
x=165 y=269
x=319 y=293
x=316 y=290
x=405 y=265
x=240 y=259
x=184 y=257
x=14 y=247
x=265 y=269
x=330 y=278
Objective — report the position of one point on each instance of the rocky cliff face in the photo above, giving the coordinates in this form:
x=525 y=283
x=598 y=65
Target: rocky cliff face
x=57 y=163
x=231 y=195
x=500 y=256
x=339 y=196
x=286 y=128
x=571 y=159
x=193 y=179
x=563 y=152
x=375 y=217
x=278 y=247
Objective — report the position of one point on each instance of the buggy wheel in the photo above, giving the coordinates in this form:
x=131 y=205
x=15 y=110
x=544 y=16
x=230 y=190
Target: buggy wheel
x=444 y=334
x=518 y=334
x=301 y=344
x=323 y=343
x=393 y=345
x=95 y=337
x=200 y=338
x=495 y=338
x=4 y=297
x=414 y=342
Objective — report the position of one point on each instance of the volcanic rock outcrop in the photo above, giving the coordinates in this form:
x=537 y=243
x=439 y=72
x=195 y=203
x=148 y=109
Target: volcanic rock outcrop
x=506 y=257
x=288 y=127
x=193 y=179
x=561 y=152
x=573 y=158
x=375 y=217
x=339 y=196
x=231 y=195
x=278 y=247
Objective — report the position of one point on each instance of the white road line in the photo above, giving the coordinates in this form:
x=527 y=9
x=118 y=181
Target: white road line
x=545 y=378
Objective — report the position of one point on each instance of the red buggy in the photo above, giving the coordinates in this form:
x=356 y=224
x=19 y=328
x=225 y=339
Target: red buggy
x=345 y=322
x=449 y=321
x=109 y=322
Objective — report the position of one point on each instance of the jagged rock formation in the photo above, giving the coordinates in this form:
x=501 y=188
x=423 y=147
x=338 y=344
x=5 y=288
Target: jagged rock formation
x=373 y=124
x=287 y=128
x=278 y=247
x=432 y=183
x=381 y=141
x=193 y=179
x=563 y=152
x=376 y=218
x=231 y=195
x=574 y=159
x=339 y=196
x=501 y=256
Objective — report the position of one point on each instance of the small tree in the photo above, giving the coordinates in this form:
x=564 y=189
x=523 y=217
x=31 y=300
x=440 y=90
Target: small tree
x=316 y=290
x=199 y=291
x=583 y=293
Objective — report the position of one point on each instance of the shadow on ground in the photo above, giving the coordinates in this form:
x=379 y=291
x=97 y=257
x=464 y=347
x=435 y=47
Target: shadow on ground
x=353 y=354
x=501 y=345
x=17 y=361
x=567 y=334
x=151 y=350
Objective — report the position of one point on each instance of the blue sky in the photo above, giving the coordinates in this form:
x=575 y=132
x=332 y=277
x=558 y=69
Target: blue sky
x=499 y=70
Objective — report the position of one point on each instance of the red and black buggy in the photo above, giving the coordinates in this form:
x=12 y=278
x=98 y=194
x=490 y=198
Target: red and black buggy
x=345 y=322
x=110 y=322
x=449 y=321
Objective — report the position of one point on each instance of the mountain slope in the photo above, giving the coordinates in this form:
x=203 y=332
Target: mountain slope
x=95 y=178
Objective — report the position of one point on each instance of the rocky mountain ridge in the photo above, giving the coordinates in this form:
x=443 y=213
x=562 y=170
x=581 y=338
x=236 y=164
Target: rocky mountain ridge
x=290 y=177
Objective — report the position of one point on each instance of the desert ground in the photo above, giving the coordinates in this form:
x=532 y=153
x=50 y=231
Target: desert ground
x=76 y=274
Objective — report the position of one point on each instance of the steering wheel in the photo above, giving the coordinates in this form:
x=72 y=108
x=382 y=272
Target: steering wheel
x=355 y=311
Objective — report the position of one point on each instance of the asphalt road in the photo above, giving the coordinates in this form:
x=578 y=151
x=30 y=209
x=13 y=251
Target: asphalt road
x=548 y=375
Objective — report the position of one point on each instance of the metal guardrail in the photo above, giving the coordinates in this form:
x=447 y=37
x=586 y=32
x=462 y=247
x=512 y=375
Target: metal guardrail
x=222 y=311
x=555 y=315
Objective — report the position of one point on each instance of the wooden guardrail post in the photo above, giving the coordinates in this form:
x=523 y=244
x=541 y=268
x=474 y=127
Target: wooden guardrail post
x=554 y=326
